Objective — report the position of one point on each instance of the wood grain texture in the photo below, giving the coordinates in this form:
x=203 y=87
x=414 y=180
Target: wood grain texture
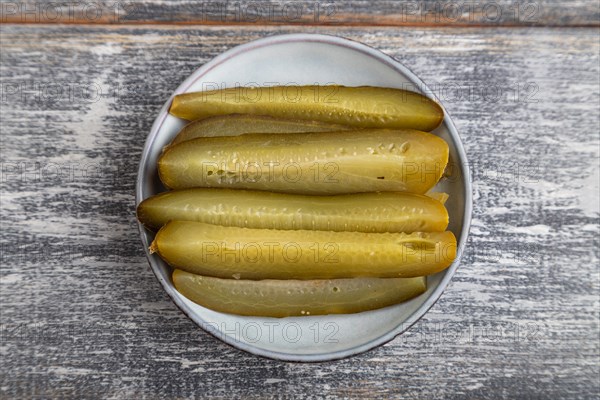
x=356 y=13
x=84 y=317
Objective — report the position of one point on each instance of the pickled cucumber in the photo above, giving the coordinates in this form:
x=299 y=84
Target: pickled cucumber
x=363 y=107
x=363 y=212
x=244 y=253
x=284 y=298
x=309 y=163
x=238 y=124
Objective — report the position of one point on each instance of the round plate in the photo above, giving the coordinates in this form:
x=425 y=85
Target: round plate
x=307 y=59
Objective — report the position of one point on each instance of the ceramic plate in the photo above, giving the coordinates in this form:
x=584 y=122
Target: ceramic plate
x=307 y=59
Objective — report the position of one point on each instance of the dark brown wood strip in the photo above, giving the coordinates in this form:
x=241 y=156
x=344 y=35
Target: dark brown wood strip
x=345 y=13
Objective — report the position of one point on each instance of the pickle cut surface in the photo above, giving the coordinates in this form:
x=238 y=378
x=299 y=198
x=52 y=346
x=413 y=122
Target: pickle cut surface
x=373 y=160
x=284 y=298
x=239 y=124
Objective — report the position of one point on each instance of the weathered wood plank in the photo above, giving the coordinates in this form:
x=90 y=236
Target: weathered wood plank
x=84 y=317
x=359 y=12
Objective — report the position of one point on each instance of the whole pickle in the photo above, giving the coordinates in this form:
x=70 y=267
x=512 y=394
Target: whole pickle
x=361 y=212
x=226 y=252
x=363 y=107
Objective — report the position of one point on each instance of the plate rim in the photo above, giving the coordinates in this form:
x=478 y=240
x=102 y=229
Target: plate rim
x=395 y=65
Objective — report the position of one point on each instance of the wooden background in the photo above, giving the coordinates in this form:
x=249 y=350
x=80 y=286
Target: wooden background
x=82 y=315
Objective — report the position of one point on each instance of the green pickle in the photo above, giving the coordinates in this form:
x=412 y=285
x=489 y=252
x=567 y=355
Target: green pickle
x=239 y=124
x=361 y=212
x=362 y=107
x=285 y=298
x=244 y=253
x=375 y=160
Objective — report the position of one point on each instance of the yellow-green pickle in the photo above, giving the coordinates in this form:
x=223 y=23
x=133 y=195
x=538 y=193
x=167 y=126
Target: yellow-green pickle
x=239 y=124
x=244 y=253
x=375 y=160
x=362 y=107
x=285 y=298
x=361 y=212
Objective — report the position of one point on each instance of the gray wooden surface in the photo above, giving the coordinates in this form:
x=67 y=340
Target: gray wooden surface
x=82 y=315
